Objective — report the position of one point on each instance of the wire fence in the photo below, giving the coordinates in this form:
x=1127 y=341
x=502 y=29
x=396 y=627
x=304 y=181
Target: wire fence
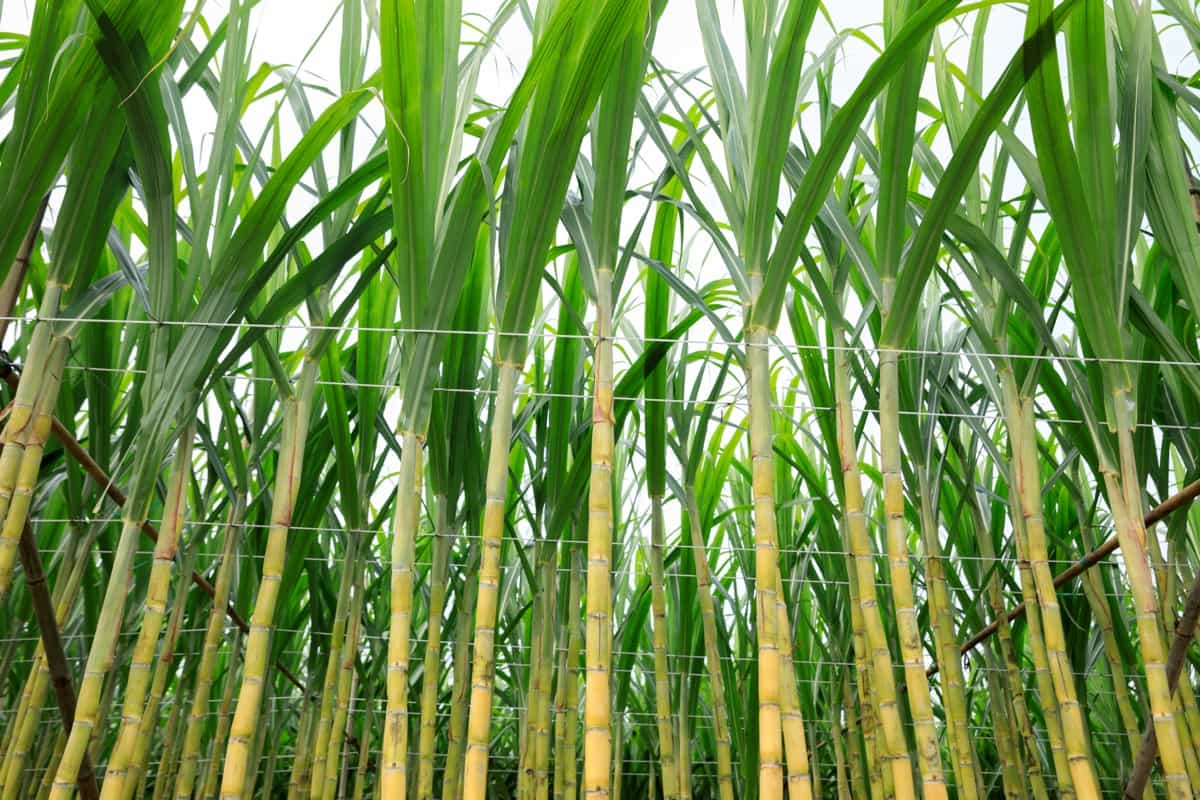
x=514 y=660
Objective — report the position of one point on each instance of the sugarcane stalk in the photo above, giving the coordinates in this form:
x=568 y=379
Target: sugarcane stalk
x=271 y=767
x=1185 y=631
x=1011 y=775
x=545 y=665
x=25 y=436
x=364 y=738
x=858 y=782
x=766 y=580
x=460 y=698
x=574 y=646
x=893 y=747
x=479 y=719
x=1041 y=661
x=214 y=633
x=968 y=779
x=347 y=679
x=1028 y=489
x=168 y=750
x=158 y=684
x=10 y=290
x=22 y=733
x=933 y=780
x=1030 y=770
x=433 y=649
x=1124 y=497
x=560 y=715
x=224 y=711
x=394 y=758
x=712 y=655
x=153 y=614
x=685 y=737
x=533 y=698
x=795 y=740
x=597 y=731
x=296 y=413
x=662 y=680
x=298 y=779
x=868 y=716
x=333 y=667
x=91 y=708
x=1094 y=592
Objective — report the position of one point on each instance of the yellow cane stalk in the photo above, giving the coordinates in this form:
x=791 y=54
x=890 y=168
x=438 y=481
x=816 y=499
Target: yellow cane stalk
x=21 y=412
x=163 y=778
x=862 y=671
x=25 y=438
x=684 y=742
x=214 y=635
x=1094 y=592
x=345 y=690
x=393 y=772
x=333 y=670
x=1041 y=662
x=565 y=760
x=92 y=699
x=799 y=777
x=461 y=694
x=23 y=731
x=1124 y=497
x=893 y=744
x=1013 y=688
x=770 y=733
x=882 y=782
x=1028 y=489
x=433 y=651
x=662 y=680
x=479 y=719
x=364 y=752
x=1011 y=774
x=712 y=656
x=158 y=685
x=153 y=614
x=920 y=704
x=296 y=410
x=854 y=751
x=545 y=666
x=298 y=782
x=228 y=691
x=597 y=713
x=560 y=719
x=954 y=698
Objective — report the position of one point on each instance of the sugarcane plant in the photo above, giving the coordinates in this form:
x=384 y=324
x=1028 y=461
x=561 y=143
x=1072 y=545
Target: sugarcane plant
x=528 y=406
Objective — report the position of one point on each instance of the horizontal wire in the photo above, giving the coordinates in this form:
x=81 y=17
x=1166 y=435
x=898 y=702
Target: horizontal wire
x=823 y=578
x=724 y=547
x=728 y=402
x=637 y=657
x=773 y=344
